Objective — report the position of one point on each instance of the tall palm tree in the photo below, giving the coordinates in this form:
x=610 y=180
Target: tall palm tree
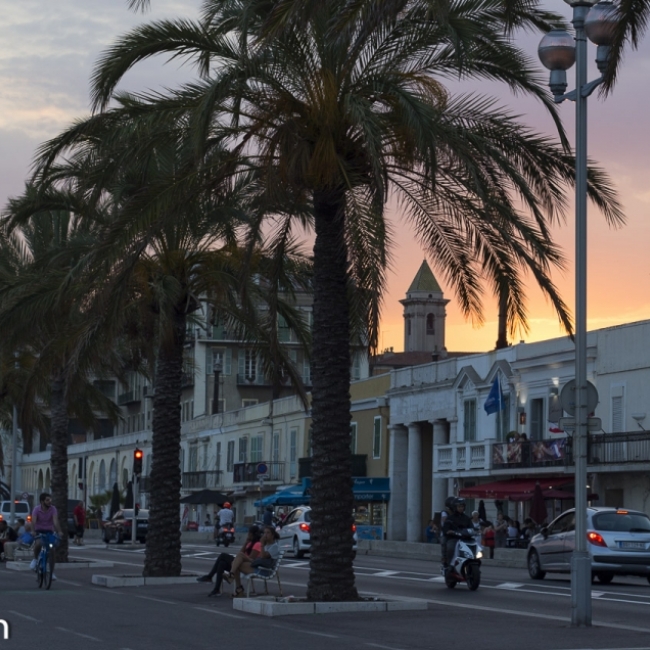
x=171 y=247
x=43 y=313
x=342 y=104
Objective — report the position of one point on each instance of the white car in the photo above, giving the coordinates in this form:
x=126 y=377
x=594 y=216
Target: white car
x=295 y=532
x=22 y=510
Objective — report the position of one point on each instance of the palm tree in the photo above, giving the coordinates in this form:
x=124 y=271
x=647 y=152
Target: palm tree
x=43 y=313
x=171 y=247
x=341 y=105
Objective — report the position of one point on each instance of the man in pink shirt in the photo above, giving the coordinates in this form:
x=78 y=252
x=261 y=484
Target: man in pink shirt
x=44 y=520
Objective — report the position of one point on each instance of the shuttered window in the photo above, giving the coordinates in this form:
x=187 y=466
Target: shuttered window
x=469 y=420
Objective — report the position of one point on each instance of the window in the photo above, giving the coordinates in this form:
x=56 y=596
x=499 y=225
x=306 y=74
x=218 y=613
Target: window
x=503 y=418
x=293 y=441
x=248 y=402
x=617 y=412
x=217 y=463
x=284 y=331
x=376 y=438
x=536 y=419
x=257 y=449
x=275 y=447
x=204 y=459
x=222 y=406
x=469 y=420
x=408 y=327
x=194 y=452
x=230 y=458
x=223 y=356
x=243 y=449
x=181 y=460
x=355 y=371
x=306 y=372
x=430 y=324
x=248 y=364
x=353 y=437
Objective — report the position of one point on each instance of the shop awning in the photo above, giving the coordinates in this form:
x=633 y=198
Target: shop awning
x=521 y=489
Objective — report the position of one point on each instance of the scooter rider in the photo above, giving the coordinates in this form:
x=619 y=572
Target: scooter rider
x=226 y=516
x=454 y=523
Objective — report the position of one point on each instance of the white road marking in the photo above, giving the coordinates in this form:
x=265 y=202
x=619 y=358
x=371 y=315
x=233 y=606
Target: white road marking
x=29 y=618
x=69 y=582
x=216 y=611
x=385 y=574
x=85 y=636
x=157 y=600
x=387 y=647
x=509 y=585
x=329 y=636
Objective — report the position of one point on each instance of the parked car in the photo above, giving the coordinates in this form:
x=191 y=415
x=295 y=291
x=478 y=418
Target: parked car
x=295 y=532
x=618 y=541
x=119 y=526
x=22 y=510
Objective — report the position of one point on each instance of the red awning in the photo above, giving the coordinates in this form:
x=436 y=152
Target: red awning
x=519 y=489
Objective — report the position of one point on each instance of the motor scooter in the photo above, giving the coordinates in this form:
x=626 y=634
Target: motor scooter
x=226 y=535
x=465 y=566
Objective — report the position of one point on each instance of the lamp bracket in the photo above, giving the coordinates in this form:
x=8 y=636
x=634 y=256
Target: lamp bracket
x=587 y=90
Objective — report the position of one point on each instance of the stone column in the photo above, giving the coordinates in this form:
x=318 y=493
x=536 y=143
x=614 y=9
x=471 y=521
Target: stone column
x=414 y=524
x=397 y=468
x=438 y=483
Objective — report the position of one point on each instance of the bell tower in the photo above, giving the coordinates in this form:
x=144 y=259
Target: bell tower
x=424 y=314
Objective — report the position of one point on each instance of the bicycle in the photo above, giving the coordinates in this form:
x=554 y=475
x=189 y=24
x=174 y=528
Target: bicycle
x=45 y=561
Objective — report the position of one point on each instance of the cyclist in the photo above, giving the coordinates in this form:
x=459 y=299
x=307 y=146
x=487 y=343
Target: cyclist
x=45 y=520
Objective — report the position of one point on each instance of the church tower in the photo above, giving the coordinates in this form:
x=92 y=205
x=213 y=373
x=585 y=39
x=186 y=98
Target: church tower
x=424 y=314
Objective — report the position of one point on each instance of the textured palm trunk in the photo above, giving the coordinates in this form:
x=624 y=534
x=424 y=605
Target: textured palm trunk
x=331 y=577
x=502 y=338
x=59 y=459
x=163 y=552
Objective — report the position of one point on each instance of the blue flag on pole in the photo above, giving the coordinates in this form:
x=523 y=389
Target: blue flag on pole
x=494 y=402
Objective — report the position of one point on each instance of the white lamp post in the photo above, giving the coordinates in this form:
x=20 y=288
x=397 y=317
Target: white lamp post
x=557 y=53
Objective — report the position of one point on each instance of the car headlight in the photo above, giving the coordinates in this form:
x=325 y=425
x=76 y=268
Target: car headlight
x=479 y=555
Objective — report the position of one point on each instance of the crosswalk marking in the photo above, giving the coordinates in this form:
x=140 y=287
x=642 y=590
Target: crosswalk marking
x=510 y=585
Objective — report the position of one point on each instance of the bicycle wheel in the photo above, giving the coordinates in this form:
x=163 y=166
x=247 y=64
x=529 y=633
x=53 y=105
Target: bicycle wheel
x=40 y=569
x=49 y=569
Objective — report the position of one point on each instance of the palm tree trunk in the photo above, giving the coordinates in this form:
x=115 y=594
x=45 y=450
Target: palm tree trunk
x=59 y=459
x=163 y=552
x=502 y=337
x=331 y=577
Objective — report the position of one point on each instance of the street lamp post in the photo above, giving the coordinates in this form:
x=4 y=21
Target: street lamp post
x=558 y=53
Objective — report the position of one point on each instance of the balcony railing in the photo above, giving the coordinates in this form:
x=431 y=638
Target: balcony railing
x=248 y=472
x=192 y=480
x=257 y=380
x=616 y=448
x=129 y=397
x=358 y=466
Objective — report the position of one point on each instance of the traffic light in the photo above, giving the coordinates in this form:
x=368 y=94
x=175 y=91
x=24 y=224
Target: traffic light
x=138 y=455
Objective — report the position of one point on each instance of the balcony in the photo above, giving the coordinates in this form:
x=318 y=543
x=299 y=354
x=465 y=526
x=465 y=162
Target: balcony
x=187 y=379
x=603 y=449
x=247 y=472
x=130 y=397
x=200 y=480
x=359 y=468
x=257 y=380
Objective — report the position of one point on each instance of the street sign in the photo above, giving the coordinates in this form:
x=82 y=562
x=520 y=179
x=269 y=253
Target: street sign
x=569 y=424
x=568 y=399
x=262 y=468
x=25 y=496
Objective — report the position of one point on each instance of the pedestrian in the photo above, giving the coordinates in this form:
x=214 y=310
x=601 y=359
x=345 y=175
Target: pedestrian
x=476 y=524
x=79 y=515
x=431 y=533
x=501 y=531
x=489 y=537
x=267 y=517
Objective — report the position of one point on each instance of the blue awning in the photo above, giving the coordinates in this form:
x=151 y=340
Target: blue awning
x=294 y=495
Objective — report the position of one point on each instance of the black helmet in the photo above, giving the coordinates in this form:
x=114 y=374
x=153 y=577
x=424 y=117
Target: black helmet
x=459 y=502
x=449 y=502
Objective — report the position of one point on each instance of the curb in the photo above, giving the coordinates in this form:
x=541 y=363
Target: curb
x=63 y=566
x=111 y=582
x=271 y=606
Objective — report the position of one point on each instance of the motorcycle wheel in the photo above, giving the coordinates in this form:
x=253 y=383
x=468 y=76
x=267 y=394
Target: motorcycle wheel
x=450 y=582
x=472 y=576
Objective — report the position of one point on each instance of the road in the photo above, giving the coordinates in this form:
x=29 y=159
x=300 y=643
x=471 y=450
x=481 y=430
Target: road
x=509 y=610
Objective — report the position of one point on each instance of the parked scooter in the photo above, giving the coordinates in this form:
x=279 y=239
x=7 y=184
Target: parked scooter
x=465 y=566
x=226 y=535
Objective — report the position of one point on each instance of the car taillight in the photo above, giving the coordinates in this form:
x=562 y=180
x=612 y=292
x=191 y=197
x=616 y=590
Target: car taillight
x=354 y=528
x=29 y=517
x=595 y=538
x=304 y=528
x=1 y=517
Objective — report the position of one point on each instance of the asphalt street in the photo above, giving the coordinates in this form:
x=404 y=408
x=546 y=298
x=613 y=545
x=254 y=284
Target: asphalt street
x=508 y=611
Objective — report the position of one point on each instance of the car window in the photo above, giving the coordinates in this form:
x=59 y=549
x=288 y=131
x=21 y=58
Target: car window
x=307 y=516
x=630 y=522
x=562 y=524
x=292 y=517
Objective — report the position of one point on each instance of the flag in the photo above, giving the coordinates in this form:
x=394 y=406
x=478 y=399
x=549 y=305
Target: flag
x=494 y=401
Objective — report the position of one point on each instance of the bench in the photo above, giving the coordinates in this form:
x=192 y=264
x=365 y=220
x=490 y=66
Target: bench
x=264 y=574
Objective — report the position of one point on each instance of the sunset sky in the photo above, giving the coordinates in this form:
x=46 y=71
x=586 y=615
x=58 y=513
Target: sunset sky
x=47 y=52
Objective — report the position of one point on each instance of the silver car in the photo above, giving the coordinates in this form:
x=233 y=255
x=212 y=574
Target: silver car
x=295 y=532
x=618 y=541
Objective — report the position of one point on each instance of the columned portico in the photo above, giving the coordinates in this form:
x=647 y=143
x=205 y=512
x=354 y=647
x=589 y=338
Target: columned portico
x=397 y=470
x=414 y=492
